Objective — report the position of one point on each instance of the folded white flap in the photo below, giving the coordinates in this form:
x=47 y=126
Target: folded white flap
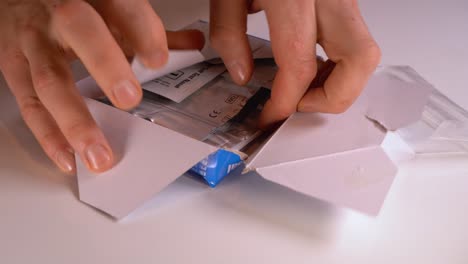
x=358 y=179
x=344 y=159
x=396 y=96
x=151 y=157
x=397 y=149
x=308 y=135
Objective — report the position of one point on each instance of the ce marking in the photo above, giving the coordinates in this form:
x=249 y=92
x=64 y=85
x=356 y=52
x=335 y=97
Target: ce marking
x=215 y=114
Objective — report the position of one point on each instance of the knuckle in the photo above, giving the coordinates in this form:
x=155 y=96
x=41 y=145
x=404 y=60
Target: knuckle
x=63 y=8
x=46 y=76
x=339 y=106
x=305 y=70
x=369 y=56
x=68 y=11
x=300 y=50
x=220 y=36
x=50 y=141
x=30 y=34
x=81 y=131
x=284 y=111
x=301 y=60
x=12 y=57
x=30 y=106
x=374 y=54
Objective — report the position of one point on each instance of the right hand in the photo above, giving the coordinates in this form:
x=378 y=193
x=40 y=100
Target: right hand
x=296 y=27
x=38 y=38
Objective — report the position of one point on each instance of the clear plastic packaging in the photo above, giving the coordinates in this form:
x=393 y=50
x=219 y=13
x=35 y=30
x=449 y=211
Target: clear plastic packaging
x=219 y=113
x=443 y=127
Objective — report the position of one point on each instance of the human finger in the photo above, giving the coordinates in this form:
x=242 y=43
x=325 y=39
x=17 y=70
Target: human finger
x=228 y=27
x=190 y=39
x=293 y=39
x=348 y=43
x=54 y=86
x=140 y=26
x=79 y=27
x=185 y=40
x=35 y=115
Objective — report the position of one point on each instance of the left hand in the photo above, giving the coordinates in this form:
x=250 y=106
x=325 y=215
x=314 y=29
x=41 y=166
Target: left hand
x=296 y=27
x=38 y=38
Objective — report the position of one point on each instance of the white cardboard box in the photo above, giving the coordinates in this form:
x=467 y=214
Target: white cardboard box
x=348 y=159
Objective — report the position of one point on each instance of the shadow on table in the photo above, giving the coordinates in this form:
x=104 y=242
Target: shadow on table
x=246 y=197
x=248 y=194
x=277 y=205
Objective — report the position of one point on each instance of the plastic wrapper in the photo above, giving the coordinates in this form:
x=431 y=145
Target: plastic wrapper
x=219 y=113
x=443 y=127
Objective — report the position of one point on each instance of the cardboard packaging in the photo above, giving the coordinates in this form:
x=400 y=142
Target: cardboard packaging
x=348 y=159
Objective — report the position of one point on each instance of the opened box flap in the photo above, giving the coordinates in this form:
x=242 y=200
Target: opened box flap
x=151 y=157
x=347 y=159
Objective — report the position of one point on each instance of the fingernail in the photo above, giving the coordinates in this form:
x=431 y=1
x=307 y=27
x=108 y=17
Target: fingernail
x=66 y=160
x=237 y=70
x=98 y=157
x=126 y=94
x=156 y=59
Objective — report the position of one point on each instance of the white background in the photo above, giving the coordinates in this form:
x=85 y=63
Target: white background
x=246 y=219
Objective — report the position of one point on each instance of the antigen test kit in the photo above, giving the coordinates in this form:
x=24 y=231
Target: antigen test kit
x=193 y=117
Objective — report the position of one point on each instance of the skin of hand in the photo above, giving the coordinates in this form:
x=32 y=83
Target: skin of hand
x=38 y=38
x=296 y=27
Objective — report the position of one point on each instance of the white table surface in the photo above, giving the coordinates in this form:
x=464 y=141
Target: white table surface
x=246 y=219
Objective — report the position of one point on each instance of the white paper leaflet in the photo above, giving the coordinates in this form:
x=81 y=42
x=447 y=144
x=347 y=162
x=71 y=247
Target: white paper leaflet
x=180 y=84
